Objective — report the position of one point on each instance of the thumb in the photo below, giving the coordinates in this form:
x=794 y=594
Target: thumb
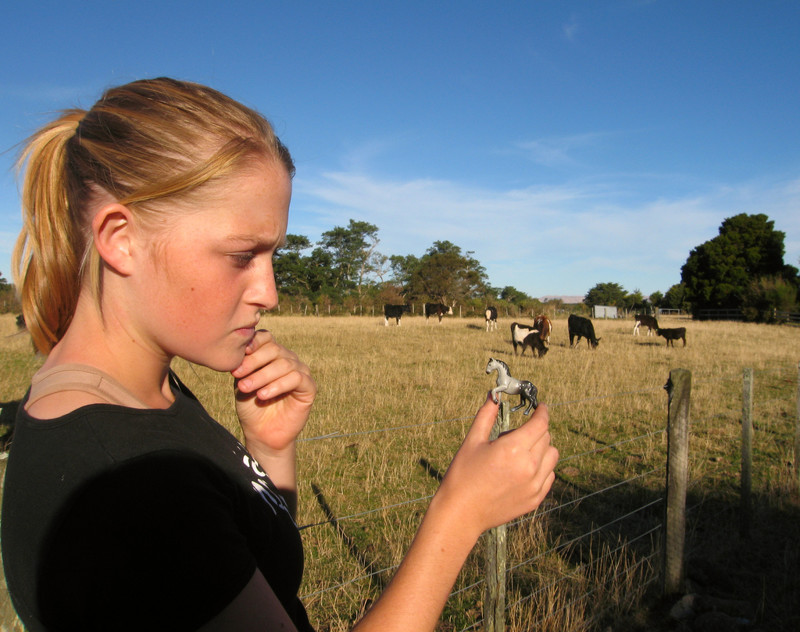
x=484 y=420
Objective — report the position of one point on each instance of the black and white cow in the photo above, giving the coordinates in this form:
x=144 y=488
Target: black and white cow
x=580 y=327
x=648 y=321
x=436 y=309
x=518 y=334
x=671 y=335
x=491 y=318
x=394 y=311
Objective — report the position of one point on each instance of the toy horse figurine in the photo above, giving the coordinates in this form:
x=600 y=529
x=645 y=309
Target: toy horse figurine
x=512 y=386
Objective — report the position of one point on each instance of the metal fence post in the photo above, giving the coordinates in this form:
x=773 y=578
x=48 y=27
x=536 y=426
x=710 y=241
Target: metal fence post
x=494 y=602
x=747 y=450
x=679 y=387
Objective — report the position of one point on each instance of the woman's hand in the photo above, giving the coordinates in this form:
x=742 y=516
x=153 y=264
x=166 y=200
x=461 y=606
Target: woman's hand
x=274 y=393
x=490 y=483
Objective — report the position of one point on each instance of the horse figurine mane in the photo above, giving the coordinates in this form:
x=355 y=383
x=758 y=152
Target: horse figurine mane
x=506 y=384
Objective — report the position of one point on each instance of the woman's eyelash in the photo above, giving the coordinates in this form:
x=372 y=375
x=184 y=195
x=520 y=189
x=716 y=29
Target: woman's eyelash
x=242 y=259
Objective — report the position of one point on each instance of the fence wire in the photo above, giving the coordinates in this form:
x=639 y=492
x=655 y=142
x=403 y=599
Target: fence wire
x=579 y=570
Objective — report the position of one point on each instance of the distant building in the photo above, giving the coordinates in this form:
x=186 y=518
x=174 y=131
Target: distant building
x=604 y=311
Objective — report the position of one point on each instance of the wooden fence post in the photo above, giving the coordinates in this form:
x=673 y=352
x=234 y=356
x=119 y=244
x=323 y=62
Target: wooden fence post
x=679 y=388
x=494 y=601
x=747 y=450
x=797 y=433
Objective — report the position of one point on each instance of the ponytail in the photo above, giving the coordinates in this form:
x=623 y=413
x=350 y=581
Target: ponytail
x=47 y=256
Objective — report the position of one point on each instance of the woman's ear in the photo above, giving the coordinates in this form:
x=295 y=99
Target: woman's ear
x=112 y=231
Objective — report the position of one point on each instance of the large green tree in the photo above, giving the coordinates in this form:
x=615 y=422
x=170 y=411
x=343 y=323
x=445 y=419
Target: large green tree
x=719 y=272
x=447 y=275
x=606 y=294
x=353 y=254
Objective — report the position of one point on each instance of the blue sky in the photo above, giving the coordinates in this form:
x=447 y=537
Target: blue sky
x=565 y=144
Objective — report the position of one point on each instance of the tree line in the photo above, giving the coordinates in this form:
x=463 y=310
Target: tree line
x=742 y=268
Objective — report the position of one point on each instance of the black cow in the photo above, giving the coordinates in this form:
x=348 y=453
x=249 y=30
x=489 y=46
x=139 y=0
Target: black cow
x=394 y=311
x=436 y=309
x=648 y=321
x=671 y=335
x=535 y=342
x=581 y=327
x=491 y=318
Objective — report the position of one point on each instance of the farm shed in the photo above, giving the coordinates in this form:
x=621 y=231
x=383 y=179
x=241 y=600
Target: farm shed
x=604 y=311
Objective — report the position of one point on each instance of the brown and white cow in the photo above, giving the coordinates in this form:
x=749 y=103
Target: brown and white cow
x=436 y=309
x=543 y=324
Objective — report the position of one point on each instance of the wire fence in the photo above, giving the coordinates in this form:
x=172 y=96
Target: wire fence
x=595 y=548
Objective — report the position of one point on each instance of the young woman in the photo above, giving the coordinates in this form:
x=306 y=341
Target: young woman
x=150 y=222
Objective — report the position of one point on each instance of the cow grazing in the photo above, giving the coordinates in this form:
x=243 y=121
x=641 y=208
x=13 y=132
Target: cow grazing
x=535 y=342
x=491 y=318
x=436 y=309
x=580 y=327
x=394 y=311
x=543 y=324
x=518 y=334
x=671 y=335
x=648 y=321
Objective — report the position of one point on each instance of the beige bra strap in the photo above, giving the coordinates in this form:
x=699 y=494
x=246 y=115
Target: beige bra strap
x=80 y=377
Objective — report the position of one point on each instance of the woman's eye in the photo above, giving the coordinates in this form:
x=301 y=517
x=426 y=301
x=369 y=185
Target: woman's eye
x=243 y=259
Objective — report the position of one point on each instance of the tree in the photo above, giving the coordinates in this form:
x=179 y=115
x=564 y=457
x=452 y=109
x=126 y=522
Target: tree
x=656 y=298
x=445 y=274
x=403 y=268
x=291 y=267
x=717 y=273
x=764 y=297
x=513 y=295
x=605 y=294
x=8 y=296
x=675 y=298
x=353 y=254
x=635 y=301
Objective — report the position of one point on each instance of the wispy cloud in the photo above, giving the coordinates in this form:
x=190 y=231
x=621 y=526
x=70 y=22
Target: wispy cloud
x=558 y=151
x=571 y=29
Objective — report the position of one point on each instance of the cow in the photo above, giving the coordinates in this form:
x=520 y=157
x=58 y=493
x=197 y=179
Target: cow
x=580 y=327
x=394 y=311
x=671 y=335
x=543 y=324
x=436 y=309
x=491 y=318
x=518 y=334
x=649 y=321
x=535 y=342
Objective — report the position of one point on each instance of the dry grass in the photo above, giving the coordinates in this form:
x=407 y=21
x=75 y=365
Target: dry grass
x=395 y=402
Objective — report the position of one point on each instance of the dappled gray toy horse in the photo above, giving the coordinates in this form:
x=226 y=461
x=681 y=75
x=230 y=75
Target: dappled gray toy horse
x=512 y=386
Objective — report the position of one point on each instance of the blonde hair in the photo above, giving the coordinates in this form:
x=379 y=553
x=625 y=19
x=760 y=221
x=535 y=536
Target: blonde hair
x=142 y=143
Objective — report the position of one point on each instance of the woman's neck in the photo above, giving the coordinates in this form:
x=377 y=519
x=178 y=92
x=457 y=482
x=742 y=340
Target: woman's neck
x=112 y=345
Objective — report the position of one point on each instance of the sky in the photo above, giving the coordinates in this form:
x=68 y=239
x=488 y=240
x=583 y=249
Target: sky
x=562 y=144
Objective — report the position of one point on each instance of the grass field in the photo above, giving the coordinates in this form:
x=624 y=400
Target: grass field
x=395 y=402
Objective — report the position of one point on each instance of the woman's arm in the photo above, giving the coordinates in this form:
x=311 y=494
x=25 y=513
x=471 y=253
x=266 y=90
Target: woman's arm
x=488 y=484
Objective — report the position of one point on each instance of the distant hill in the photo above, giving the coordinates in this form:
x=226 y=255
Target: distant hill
x=567 y=300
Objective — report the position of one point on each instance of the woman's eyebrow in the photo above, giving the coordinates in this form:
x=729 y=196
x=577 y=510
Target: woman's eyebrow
x=256 y=243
